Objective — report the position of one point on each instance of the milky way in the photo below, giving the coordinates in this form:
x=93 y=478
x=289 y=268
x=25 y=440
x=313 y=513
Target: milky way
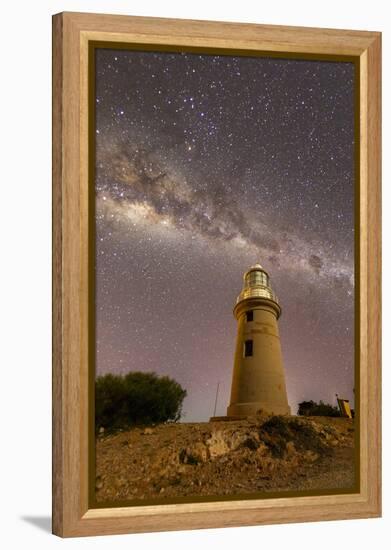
x=205 y=165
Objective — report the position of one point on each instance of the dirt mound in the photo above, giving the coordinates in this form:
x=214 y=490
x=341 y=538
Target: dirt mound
x=268 y=453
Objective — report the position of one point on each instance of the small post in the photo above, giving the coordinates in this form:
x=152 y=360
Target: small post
x=217 y=393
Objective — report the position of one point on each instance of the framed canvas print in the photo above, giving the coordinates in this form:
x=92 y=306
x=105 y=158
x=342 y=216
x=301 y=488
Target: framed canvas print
x=216 y=268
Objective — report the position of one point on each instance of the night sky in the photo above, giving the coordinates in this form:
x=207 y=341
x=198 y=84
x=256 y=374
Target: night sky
x=206 y=165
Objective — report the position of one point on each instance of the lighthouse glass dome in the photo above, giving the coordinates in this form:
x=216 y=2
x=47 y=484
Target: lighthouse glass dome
x=256 y=284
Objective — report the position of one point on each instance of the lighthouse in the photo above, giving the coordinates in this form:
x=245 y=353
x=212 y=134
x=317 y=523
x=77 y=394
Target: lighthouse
x=258 y=380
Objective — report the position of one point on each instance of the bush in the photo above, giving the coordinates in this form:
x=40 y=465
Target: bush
x=275 y=433
x=278 y=430
x=136 y=398
x=310 y=408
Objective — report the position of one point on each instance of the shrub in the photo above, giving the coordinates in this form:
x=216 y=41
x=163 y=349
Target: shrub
x=310 y=408
x=136 y=398
x=275 y=433
x=278 y=430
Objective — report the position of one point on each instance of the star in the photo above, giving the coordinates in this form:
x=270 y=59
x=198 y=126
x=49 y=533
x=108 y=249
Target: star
x=205 y=165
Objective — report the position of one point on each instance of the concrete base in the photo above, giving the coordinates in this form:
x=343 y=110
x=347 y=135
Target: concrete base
x=251 y=409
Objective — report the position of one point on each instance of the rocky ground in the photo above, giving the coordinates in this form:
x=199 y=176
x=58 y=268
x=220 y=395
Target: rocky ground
x=260 y=454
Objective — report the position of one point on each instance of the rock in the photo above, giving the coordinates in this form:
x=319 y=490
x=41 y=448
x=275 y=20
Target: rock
x=101 y=430
x=311 y=456
x=195 y=454
x=222 y=442
x=119 y=482
x=217 y=444
x=290 y=449
x=200 y=452
x=251 y=442
x=262 y=449
x=247 y=439
x=148 y=431
x=99 y=485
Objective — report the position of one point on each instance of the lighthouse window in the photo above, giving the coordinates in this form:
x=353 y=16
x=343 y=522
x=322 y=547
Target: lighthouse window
x=249 y=316
x=248 y=348
x=257 y=278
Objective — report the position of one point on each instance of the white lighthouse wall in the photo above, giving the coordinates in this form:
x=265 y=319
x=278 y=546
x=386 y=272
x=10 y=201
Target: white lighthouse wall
x=258 y=381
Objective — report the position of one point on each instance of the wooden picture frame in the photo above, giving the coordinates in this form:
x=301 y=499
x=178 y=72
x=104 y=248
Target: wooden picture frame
x=72 y=33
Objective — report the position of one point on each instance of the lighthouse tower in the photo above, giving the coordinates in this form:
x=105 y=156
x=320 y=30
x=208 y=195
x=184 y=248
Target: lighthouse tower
x=258 y=380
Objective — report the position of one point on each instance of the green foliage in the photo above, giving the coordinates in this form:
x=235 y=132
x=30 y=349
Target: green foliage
x=136 y=398
x=311 y=408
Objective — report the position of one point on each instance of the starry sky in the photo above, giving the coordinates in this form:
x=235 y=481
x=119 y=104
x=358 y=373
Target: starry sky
x=205 y=165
